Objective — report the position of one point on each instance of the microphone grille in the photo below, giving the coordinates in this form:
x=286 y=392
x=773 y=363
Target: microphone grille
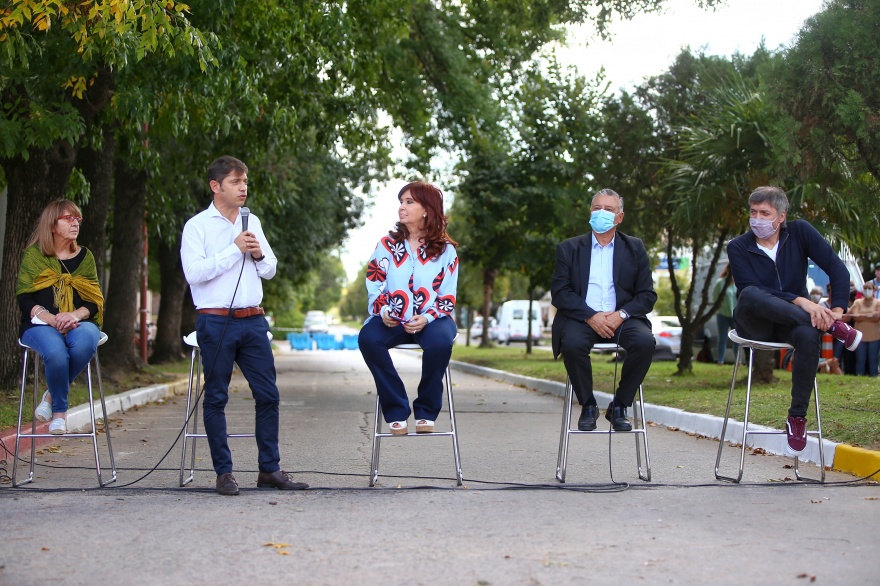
x=244 y=211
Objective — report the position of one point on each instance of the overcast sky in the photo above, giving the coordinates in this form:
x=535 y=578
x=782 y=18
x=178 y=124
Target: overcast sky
x=639 y=48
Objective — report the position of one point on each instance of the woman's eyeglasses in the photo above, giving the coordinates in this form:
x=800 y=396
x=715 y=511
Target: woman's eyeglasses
x=70 y=218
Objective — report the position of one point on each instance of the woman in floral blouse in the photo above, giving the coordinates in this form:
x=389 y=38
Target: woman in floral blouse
x=411 y=282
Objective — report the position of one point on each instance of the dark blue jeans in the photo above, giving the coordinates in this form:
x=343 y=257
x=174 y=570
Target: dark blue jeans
x=866 y=358
x=64 y=356
x=244 y=342
x=376 y=338
x=767 y=318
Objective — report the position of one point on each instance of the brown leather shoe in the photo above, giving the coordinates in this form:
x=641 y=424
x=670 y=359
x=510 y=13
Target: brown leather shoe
x=280 y=480
x=226 y=485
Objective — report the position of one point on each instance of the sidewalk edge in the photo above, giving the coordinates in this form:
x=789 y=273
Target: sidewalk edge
x=78 y=417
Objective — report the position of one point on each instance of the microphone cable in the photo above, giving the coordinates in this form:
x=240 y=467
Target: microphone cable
x=209 y=367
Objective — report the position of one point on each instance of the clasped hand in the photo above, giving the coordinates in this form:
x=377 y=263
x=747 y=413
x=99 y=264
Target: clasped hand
x=605 y=323
x=415 y=324
x=66 y=321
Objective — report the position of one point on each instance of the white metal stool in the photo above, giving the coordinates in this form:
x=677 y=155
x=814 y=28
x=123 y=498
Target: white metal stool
x=639 y=427
x=93 y=434
x=192 y=404
x=378 y=434
x=768 y=346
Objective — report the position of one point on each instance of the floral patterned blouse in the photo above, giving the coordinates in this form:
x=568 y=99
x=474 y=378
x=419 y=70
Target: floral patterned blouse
x=411 y=284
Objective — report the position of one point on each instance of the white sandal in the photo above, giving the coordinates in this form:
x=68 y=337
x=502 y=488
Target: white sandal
x=43 y=412
x=424 y=426
x=398 y=427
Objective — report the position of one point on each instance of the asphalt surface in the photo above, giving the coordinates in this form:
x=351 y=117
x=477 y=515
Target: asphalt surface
x=511 y=522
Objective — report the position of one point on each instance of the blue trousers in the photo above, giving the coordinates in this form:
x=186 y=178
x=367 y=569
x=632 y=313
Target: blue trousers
x=866 y=358
x=64 y=356
x=765 y=317
x=374 y=341
x=222 y=342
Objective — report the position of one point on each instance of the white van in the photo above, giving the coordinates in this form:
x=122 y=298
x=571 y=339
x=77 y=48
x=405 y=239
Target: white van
x=513 y=326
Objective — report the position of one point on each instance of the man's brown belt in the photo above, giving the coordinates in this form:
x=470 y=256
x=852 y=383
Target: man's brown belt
x=236 y=313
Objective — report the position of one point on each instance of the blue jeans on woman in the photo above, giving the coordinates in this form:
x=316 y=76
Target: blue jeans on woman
x=867 y=357
x=64 y=356
x=376 y=338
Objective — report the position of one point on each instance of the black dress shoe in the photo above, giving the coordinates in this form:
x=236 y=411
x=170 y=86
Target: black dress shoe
x=617 y=416
x=587 y=420
x=226 y=485
x=280 y=480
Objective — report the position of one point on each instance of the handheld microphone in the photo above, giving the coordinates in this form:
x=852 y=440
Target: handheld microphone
x=244 y=218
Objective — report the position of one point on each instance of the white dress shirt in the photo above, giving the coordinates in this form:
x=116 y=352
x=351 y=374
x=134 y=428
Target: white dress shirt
x=211 y=261
x=600 y=287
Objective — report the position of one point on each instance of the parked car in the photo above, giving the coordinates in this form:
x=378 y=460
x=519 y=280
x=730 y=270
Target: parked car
x=667 y=331
x=513 y=323
x=316 y=321
x=477 y=328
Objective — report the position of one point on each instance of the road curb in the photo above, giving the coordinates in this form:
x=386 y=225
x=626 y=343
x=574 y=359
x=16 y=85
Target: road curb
x=857 y=461
x=843 y=457
x=78 y=417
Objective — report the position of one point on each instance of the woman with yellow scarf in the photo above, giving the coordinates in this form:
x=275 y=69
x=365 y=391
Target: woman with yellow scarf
x=61 y=305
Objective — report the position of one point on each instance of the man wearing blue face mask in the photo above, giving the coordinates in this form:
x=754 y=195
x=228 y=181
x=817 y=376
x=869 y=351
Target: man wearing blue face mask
x=602 y=290
x=769 y=265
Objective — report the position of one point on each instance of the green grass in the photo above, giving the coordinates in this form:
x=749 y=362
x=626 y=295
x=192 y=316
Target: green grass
x=850 y=404
x=79 y=392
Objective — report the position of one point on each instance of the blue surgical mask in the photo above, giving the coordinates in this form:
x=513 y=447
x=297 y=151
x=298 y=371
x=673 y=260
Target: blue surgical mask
x=601 y=221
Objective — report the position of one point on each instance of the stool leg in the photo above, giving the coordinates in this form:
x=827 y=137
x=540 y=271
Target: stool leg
x=97 y=367
x=194 y=380
x=564 y=430
x=642 y=430
x=374 y=462
x=451 y=402
x=721 y=441
x=818 y=434
x=33 y=422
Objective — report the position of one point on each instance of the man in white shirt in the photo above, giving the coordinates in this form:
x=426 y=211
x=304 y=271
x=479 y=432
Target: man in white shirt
x=224 y=264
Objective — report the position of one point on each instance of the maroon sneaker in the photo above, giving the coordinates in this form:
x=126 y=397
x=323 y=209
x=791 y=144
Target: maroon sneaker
x=796 y=430
x=845 y=333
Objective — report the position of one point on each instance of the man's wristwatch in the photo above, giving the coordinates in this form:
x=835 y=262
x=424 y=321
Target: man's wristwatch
x=258 y=259
x=623 y=315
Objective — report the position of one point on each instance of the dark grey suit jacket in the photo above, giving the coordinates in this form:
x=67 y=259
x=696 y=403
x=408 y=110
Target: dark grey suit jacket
x=632 y=281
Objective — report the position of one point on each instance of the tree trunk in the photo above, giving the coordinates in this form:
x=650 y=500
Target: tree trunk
x=685 y=352
x=488 y=286
x=31 y=184
x=529 y=322
x=764 y=364
x=127 y=259
x=168 y=346
x=188 y=314
x=97 y=167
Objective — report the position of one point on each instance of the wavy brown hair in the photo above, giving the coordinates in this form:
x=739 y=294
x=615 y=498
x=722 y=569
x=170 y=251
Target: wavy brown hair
x=431 y=198
x=43 y=235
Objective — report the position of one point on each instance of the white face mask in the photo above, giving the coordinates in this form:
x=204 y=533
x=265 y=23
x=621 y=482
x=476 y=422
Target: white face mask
x=763 y=229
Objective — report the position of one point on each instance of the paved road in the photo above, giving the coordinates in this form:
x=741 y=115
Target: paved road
x=511 y=523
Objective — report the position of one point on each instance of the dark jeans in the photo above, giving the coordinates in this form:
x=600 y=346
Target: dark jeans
x=376 y=338
x=634 y=336
x=244 y=342
x=764 y=317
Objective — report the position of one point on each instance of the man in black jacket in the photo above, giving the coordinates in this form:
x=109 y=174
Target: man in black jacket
x=602 y=290
x=769 y=265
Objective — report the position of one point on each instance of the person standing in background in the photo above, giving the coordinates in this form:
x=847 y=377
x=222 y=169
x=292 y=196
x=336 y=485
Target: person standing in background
x=865 y=313
x=724 y=317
